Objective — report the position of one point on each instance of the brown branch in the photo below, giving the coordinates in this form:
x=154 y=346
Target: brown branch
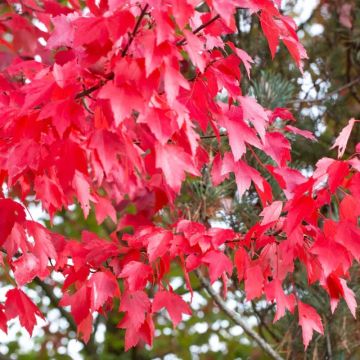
x=90 y=347
x=212 y=136
x=237 y=319
x=198 y=29
x=111 y=75
x=136 y=28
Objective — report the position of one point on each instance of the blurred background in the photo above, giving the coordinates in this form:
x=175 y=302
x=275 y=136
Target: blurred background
x=322 y=100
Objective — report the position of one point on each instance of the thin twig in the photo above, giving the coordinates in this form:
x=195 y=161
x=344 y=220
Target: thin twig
x=111 y=75
x=136 y=28
x=236 y=318
x=198 y=29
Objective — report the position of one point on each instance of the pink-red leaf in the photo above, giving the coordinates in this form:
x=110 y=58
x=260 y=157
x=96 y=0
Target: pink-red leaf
x=173 y=303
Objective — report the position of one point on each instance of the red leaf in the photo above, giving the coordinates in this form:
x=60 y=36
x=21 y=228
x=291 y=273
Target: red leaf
x=270 y=31
x=174 y=171
x=158 y=244
x=26 y=268
x=309 y=320
x=241 y=261
x=342 y=140
x=271 y=213
x=218 y=264
x=82 y=188
x=123 y=100
x=10 y=212
x=18 y=304
x=137 y=305
x=84 y=328
x=337 y=171
x=239 y=133
x=80 y=303
x=254 y=279
x=278 y=147
x=254 y=113
x=195 y=48
x=298 y=210
x=305 y=133
x=136 y=274
x=44 y=248
x=104 y=209
x=173 y=303
x=3 y=319
x=103 y=287
x=274 y=291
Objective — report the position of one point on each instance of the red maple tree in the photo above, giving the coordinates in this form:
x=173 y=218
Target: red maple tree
x=112 y=102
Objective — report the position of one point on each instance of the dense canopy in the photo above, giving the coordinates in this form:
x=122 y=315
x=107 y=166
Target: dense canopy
x=117 y=106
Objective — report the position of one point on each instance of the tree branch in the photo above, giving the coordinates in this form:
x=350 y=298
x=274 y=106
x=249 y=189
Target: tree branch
x=90 y=347
x=236 y=318
x=111 y=75
x=136 y=28
x=198 y=29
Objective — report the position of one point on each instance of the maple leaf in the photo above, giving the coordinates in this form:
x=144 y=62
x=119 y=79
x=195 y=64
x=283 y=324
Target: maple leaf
x=271 y=213
x=26 y=268
x=254 y=279
x=309 y=320
x=244 y=175
x=137 y=275
x=173 y=303
x=349 y=209
x=145 y=332
x=79 y=301
x=63 y=34
x=137 y=306
x=3 y=319
x=181 y=162
x=254 y=113
x=16 y=240
x=338 y=288
x=103 y=287
x=18 y=304
x=239 y=133
x=10 y=212
x=104 y=209
x=218 y=264
x=274 y=291
x=270 y=31
x=123 y=100
x=173 y=81
x=106 y=145
x=343 y=138
x=241 y=261
x=82 y=188
x=305 y=133
x=337 y=171
x=48 y=191
x=43 y=248
x=84 y=328
x=195 y=48
x=244 y=56
x=278 y=147
x=298 y=209
x=158 y=244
